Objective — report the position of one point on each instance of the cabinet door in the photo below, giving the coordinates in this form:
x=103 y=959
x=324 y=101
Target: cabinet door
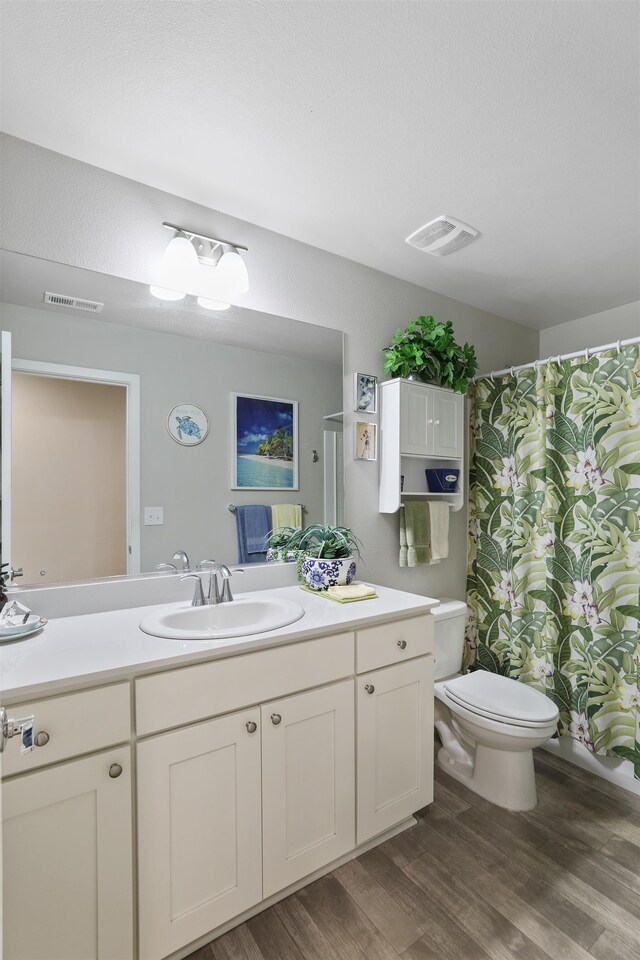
x=448 y=417
x=67 y=863
x=395 y=744
x=416 y=419
x=308 y=783
x=198 y=830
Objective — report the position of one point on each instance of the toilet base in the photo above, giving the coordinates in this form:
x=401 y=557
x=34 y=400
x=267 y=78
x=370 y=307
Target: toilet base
x=504 y=777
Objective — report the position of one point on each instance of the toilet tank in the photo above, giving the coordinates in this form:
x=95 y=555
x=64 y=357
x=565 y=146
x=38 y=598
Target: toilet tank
x=449 y=622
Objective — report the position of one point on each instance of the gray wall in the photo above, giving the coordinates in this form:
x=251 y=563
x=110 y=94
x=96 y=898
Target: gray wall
x=60 y=209
x=191 y=483
x=620 y=323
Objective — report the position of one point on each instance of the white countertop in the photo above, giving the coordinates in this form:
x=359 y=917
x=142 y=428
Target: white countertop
x=95 y=648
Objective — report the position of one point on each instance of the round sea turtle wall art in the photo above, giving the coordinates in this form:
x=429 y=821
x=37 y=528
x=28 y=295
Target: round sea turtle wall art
x=187 y=424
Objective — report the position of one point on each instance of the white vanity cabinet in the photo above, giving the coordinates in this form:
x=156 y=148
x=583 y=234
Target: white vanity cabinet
x=67 y=839
x=420 y=427
x=394 y=696
x=199 y=830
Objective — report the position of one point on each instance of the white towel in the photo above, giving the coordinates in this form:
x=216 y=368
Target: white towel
x=439 y=522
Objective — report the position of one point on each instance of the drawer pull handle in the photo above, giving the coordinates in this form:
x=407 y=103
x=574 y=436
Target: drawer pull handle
x=252 y=726
x=369 y=687
x=402 y=644
x=115 y=770
x=275 y=719
x=41 y=738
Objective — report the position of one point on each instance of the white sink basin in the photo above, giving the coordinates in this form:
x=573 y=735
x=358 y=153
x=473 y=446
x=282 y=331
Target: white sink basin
x=240 y=617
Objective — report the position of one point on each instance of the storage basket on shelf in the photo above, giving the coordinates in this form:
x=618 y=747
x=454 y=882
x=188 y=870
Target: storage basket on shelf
x=442 y=479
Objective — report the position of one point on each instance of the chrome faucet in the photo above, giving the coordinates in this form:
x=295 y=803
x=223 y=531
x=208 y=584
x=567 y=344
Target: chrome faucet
x=182 y=558
x=198 y=596
x=214 y=594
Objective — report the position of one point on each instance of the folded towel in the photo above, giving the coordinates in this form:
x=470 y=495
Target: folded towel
x=439 y=524
x=352 y=591
x=327 y=595
x=403 y=539
x=287 y=515
x=253 y=524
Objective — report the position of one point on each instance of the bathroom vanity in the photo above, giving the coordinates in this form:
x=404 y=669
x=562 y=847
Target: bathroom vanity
x=177 y=787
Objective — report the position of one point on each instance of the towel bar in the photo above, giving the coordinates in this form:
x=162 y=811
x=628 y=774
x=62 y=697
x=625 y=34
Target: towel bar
x=231 y=507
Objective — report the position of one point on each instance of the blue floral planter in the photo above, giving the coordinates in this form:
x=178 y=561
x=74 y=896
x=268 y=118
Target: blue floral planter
x=320 y=574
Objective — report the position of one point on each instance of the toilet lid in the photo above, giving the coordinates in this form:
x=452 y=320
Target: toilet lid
x=501 y=698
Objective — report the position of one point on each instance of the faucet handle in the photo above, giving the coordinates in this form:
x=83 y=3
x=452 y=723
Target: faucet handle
x=204 y=564
x=167 y=566
x=198 y=596
x=226 y=575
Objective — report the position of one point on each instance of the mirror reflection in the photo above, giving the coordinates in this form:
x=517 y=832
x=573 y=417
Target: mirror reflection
x=139 y=426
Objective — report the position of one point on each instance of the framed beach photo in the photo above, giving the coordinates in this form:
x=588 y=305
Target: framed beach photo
x=366 y=443
x=365 y=390
x=265 y=443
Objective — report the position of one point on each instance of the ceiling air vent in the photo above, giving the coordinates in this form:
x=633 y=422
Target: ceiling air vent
x=442 y=235
x=73 y=303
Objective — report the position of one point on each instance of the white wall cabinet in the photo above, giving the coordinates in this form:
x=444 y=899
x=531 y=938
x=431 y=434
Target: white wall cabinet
x=67 y=861
x=395 y=744
x=199 y=830
x=420 y=427
x=308 y=769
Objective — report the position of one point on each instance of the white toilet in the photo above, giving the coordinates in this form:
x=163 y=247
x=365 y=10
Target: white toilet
x=488 y=724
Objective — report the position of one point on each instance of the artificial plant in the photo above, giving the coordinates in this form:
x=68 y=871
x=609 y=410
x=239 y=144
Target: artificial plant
x=427 y=350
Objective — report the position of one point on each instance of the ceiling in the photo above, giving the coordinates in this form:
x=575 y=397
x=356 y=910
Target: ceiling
x=347 y=125
x=24 y=280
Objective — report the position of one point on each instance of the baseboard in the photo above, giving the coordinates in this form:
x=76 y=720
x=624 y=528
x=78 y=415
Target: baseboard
x=619 y=772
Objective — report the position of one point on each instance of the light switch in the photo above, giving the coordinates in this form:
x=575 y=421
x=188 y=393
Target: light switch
x=153 y=516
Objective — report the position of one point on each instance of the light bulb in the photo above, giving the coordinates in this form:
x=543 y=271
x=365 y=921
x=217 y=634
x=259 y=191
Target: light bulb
x=231 y=279
x=179 y=269
x=212 y=304
x=163 y=293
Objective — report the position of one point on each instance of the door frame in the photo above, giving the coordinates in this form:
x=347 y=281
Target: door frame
x=131 y=381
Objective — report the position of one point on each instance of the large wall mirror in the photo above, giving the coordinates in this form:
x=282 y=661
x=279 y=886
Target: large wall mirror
x=122 y=428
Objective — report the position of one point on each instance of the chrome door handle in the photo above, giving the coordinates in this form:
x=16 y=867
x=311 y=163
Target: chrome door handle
x=402 y=644
x=369 y=687
x=14 y=728
x=251 y=726
x=276 y=719
x=115 y=770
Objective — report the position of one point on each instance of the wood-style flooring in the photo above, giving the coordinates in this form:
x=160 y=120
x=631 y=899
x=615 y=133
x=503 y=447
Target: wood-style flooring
x=474 y=882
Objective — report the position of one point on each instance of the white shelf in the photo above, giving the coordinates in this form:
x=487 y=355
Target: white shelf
x=427 y=493
x=334 y=416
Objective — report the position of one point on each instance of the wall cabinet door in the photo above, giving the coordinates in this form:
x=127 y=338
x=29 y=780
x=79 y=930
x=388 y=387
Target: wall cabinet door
x=199 y=830
x=416 y=419
x=448 y=410
x=67 y=866
x=308 y=782
x=395 y=744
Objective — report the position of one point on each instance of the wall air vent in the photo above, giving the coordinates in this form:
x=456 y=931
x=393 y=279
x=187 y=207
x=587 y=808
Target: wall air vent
x=73 y=303
x=442 y=235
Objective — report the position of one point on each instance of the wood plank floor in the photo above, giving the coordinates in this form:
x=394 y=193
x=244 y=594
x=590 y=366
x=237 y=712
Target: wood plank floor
x=474 y=882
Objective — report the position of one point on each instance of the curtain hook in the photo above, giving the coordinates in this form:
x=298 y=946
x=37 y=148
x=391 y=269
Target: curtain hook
x=491 y=376
x=619 y=346
x=511 y=372
x=586 y=355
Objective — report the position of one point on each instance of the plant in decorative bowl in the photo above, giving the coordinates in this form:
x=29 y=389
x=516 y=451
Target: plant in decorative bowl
x=426 y=350
x=326 y=555
x=278 y=545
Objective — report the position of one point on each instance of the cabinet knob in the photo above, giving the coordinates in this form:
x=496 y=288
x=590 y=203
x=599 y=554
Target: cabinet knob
x=115 y=770
x=41 y=738
x=430 y=420
x=402 y=644
x=436 y=422
x=275 y=719
x=369 y=687
x=251 y=726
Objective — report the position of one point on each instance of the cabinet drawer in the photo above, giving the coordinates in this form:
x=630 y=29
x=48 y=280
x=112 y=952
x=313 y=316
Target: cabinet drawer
x=193 y=693
x=77 y=723
x=393 y=643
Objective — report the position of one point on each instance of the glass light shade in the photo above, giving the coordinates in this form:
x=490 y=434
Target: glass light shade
x=212 y=304
x=163 y=293
x=231 y=279
x=179 y=269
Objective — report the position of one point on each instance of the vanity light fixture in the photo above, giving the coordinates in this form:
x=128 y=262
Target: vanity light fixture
x=193 y=261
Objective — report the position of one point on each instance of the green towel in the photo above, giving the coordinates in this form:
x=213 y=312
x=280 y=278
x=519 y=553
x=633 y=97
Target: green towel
x=415 y=519
x=323 y=593
x=439 y=529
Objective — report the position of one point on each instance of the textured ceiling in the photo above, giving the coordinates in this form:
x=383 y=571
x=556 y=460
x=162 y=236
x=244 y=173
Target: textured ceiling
x=348 y=124
x=24 y=280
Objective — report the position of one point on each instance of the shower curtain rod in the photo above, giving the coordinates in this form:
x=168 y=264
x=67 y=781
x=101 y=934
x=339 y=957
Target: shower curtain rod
x=588 y=352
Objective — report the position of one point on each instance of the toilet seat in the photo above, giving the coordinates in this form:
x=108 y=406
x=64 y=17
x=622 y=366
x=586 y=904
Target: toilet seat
x=501 y=699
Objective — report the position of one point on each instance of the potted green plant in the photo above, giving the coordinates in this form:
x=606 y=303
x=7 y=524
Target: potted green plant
x=278 y=545
x=326 y=555
x=426 y=350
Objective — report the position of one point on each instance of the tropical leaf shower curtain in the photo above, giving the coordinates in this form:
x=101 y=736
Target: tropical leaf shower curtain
x=554 y=541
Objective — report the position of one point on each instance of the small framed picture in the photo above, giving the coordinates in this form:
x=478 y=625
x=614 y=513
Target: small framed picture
x=366 y=441
x=187 y=424
x=365 y=391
